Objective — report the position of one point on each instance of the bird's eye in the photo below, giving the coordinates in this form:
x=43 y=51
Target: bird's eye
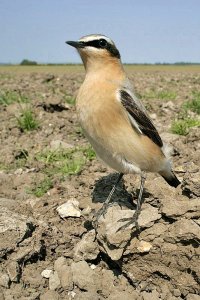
x=102 y=43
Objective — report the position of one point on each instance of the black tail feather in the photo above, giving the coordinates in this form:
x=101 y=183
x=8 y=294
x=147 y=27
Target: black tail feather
x=173 y=180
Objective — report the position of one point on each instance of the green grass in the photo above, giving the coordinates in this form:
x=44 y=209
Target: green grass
x=41 y=188
x=65 y=162
x=162 y=95
x=9 y=97
x=27 y=120
x=182 y=127
x=69 y=99
x=194 y=104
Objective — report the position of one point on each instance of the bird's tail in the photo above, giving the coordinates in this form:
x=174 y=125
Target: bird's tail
x=170 y=178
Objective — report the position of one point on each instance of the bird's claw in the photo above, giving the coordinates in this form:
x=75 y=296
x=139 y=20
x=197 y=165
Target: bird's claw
x=130 y=221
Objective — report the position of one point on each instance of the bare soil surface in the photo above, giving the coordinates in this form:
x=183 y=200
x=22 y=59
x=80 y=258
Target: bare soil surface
x=49 y=256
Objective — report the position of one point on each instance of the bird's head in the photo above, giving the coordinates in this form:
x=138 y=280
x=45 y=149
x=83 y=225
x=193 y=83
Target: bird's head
x=95 y=49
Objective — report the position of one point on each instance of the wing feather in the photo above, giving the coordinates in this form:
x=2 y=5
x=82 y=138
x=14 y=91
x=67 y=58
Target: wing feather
x=140 y=118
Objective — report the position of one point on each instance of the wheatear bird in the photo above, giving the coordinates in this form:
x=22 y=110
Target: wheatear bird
x=114 y=121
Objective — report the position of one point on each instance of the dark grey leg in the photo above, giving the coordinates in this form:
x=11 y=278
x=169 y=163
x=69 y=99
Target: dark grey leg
x=106 y=203
x=134 y=219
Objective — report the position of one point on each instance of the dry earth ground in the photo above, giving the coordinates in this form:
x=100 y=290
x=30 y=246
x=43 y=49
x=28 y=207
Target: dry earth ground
x=46 y=256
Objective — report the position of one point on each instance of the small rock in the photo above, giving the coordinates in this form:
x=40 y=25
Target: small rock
x=144 y=247
x=87 y=248
x=54 y=281
x=148 y=216
x=60 y=261
x=46 y=273
x=87 y=296
x=65 y=276
x=191 y=184
x=13 y=271
x=58 y=144
x=1 y=296
x=192 y=297
x=83 y=275
x=124 y=295
x=4 y=280
x=15 y=227
x=93 y=267
x=18 y=171
x=183 y=230
x=69 y=209
x=86 y=211
x=171 y=208
x=71 y=294
x=113 y=241
x=154 y=295
x=176 y=292
x=50 y=295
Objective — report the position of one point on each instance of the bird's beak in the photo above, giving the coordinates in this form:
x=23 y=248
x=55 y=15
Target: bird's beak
x=75 y=44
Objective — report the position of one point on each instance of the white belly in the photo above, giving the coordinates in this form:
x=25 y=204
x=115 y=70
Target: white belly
x=113 y=160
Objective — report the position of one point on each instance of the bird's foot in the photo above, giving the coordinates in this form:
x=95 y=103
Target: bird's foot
x=102 y=212
x=130 y=221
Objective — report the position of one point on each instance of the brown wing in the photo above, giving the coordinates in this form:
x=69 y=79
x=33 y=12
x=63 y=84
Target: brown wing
x=144 y=123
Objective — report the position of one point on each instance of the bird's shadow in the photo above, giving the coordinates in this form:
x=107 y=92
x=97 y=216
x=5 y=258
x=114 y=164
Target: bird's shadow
x=103 y=187
x=121 y=196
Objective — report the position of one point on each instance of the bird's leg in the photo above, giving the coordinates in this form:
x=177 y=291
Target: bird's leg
x=102 y=210
x=134 y=218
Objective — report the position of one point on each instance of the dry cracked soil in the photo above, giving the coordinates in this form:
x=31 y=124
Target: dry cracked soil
x=51 y=185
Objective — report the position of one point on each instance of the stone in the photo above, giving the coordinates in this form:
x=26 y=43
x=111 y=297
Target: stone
x=46 y=273
x=4 y=280
x=58 y=144
x=191 y=183
x=54 y=281
x=144 y=247
x=14 y=226
x=175 y=208
x=60 y=261
x=113 y=239
x=88 y=296
x=69 y=209
x=123 y=295
x=87 y=248
x=13 y=271
x=65 y=276
x=183 y=230
x=83 y=275
x=50 y=295
x=154 y=295
x=148 y=216
x=193 y=297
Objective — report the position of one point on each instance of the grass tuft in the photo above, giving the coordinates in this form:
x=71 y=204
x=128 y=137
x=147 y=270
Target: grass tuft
x=194 y=104
x=27 y=120
x=65 y=162
x=42 y=187
x=10 y=97
x=182 y=127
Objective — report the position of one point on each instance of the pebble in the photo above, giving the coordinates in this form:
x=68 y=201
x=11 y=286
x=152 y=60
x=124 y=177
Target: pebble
x=4 y=280
x=144 y=247
x=46 y=273
x=54 y=281
x=50 y=295
x=69 y=209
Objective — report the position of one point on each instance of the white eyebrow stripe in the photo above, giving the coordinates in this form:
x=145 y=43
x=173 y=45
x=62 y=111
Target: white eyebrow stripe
x=89 y=38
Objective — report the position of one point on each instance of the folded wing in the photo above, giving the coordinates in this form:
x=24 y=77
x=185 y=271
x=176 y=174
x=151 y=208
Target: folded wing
x=139 y=119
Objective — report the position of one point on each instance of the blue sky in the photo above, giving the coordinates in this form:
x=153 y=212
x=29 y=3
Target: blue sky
x=145 y=31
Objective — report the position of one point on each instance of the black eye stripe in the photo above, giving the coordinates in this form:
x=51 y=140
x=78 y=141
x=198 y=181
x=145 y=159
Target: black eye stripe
x=94 y=43
x=110 y=47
